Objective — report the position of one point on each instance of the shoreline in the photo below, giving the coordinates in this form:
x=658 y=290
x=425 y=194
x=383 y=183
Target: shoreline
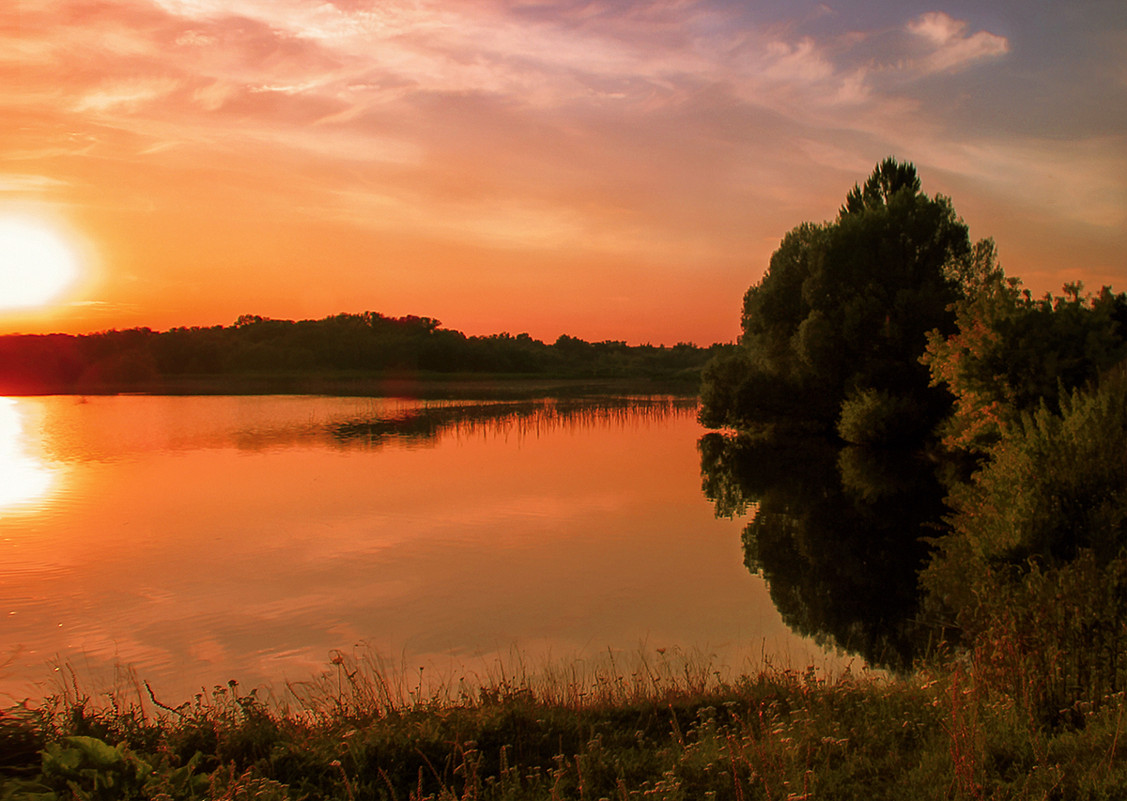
x=431 y=386
x=662 y=730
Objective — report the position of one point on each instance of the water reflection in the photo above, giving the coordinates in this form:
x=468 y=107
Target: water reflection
x=209 y=538
x=107 y=429
x=838 y=535
x=24 y=479
x=531 y=417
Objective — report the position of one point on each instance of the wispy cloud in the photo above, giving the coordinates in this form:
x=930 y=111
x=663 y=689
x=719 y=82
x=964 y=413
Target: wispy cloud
x=29 y=183
x=951 y=48
x=1081 y=181
x=344 y=64
x=672 y=132
x=125 y=95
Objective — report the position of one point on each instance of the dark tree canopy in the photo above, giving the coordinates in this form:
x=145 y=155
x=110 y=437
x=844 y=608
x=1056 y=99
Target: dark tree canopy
x=844 y=310
x=887 y=179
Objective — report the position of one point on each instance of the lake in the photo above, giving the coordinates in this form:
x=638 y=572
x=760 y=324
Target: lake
x=187 y=541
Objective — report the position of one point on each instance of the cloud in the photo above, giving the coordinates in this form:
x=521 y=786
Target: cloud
x=797 y=63
x=30 y=183
x=1080 y=181
x=125 y=95
x=194 y=38
x=515 y=124
x=951 y=47
x=213 y=96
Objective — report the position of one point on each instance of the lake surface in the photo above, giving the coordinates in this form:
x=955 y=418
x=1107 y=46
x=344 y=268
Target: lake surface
x=193 y=540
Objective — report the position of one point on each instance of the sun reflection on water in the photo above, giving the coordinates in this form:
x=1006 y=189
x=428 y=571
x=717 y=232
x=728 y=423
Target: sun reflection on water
x=24 y=479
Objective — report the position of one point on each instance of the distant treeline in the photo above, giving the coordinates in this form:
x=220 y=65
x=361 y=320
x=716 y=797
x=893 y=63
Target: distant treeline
x=344 y=344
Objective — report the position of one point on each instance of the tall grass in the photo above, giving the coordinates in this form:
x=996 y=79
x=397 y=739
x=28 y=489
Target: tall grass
x=665 y=726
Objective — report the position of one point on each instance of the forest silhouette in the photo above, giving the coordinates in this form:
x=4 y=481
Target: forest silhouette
x=230 y=358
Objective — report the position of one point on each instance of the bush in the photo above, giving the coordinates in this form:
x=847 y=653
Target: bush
x=876 y=418
x=1035 y=569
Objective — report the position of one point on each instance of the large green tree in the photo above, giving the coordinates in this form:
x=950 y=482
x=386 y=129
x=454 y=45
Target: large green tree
x=840 y=319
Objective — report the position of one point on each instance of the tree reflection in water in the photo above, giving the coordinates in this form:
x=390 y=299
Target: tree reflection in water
x=839 y=535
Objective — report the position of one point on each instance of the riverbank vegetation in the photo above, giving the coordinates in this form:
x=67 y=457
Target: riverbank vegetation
x=364 y=353
x=885 y=337
x=665 y=729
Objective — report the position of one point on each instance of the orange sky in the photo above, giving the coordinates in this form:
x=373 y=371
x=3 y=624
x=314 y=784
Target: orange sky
x=607 y=170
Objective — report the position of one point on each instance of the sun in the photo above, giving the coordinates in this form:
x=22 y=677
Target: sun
x=36 y=263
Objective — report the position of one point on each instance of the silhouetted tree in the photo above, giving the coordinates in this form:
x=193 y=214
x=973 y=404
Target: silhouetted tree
x=844 y=310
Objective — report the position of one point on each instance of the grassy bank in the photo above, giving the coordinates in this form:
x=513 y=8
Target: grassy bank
x=661 y=730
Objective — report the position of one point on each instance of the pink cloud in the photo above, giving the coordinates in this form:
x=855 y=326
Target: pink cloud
x=678 y=131
x=951 y=47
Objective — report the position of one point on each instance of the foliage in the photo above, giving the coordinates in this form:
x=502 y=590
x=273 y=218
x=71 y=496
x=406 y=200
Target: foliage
x=367 y=343
x=887 y=179
x=735 y=393
x=1033 y=572
x=844 y=309
x=875 y=417
x=666 y=730
x=1011 y=353
x=1038 y=549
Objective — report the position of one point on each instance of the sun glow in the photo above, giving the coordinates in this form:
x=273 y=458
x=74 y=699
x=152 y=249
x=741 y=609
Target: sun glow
x=36 y=263
x=23 y=478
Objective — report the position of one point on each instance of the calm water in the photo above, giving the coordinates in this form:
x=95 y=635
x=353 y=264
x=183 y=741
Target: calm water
x=200 y=539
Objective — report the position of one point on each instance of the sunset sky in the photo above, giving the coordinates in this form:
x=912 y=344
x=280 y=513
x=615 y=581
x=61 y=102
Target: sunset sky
x=609 y=170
